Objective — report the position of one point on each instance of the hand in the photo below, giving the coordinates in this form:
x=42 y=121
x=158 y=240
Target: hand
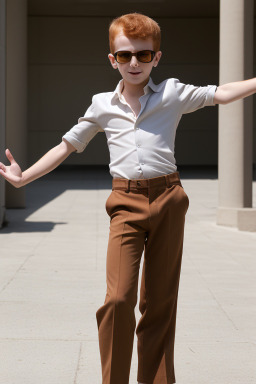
x=11 y=173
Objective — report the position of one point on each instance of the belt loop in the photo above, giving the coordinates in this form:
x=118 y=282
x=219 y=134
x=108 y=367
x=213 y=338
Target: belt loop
x=128 y=189
x=167 y=181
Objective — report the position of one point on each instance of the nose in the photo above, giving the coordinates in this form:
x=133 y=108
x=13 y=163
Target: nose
x=134 y=61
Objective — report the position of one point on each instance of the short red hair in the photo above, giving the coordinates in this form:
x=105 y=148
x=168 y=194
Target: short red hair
x=136 y=26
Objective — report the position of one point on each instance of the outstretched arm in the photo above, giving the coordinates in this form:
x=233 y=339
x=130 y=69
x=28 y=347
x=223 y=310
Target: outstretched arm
x=46 y=164
x=229 y=92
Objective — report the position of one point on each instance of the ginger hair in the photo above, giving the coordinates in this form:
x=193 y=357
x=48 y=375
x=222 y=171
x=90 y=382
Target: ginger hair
x=135 y=26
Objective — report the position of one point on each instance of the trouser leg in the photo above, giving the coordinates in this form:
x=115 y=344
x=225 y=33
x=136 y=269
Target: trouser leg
x=116 y=318
x=159 y=287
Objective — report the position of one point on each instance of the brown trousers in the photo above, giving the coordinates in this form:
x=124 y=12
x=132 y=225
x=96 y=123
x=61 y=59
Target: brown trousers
x=145 y=215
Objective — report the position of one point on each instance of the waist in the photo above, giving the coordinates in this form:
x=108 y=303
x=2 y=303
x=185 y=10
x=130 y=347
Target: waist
x=135 y=184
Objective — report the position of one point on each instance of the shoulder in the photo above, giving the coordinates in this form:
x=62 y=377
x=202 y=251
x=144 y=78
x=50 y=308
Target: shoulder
x=103 y=96
x=173 y=83
x=168 y=89
x=167 y=85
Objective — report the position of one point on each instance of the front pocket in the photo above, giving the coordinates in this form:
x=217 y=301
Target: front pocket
x=185 y=194
x=107 y=204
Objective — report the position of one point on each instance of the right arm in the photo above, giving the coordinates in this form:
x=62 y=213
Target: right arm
x=46 y=164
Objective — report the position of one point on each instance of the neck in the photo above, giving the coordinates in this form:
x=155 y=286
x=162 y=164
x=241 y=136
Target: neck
x=134 y=90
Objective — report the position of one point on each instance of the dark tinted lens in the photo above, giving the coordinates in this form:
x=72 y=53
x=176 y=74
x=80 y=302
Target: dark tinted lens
x=144 y=56
x=123 y=56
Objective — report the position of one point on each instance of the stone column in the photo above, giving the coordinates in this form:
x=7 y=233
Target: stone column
x=236 y=119
x=2 y=102
x=16 y=93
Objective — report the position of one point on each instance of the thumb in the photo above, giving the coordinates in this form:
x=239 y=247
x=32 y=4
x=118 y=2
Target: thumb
x=10 y=156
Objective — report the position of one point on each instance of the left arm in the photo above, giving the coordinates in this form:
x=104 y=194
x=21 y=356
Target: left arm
x=227 y=93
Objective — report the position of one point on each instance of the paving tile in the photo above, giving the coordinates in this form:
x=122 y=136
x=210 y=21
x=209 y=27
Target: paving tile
x=38 y=361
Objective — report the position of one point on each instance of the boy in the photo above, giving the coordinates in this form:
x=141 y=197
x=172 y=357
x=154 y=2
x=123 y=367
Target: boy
x=147 y=205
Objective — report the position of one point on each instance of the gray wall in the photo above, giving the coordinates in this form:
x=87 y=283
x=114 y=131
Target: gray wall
x=2 y=104
x=16 y=93
x=68 y=64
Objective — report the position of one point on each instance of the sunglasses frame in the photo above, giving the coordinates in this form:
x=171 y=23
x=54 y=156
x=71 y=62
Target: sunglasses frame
x=135 y=54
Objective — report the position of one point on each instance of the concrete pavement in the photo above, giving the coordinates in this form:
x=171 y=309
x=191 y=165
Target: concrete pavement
x=52 y=281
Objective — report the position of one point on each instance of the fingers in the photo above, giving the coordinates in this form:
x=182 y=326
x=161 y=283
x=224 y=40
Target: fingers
x=4 y=174
x=2 y=167
x=9 y=156
x=3 y=170
x=11 y=179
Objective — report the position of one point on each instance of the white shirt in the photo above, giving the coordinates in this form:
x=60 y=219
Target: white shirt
x=141 y=147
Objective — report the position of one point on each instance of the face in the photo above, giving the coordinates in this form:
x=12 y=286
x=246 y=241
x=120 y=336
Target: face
x=134 y=72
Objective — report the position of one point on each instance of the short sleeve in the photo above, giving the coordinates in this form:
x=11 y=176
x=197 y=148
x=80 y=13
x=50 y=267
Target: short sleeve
x=83 y=132
x=194 y=97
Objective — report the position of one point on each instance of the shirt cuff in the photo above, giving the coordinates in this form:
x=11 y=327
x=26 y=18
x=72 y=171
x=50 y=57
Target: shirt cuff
x=76 y=143
x=210 y=95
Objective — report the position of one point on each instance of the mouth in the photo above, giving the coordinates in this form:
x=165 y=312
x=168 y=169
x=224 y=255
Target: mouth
x=135 y=73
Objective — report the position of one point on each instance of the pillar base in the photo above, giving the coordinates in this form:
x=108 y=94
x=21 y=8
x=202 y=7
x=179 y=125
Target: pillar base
x=14 y=197
x=243 y=219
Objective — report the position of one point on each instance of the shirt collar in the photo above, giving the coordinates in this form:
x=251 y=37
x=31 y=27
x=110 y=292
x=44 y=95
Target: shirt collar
x=150 y=85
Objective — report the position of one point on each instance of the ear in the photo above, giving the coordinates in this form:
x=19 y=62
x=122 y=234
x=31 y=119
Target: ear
x=157 y=58
x=112 y=60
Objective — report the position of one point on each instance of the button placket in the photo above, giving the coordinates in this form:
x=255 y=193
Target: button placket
x=137 y=140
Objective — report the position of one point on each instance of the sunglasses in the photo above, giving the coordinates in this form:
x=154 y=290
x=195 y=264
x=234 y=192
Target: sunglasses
x=145 y=56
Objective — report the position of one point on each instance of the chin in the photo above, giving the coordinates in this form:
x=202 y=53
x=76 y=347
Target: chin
x=137 y=80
